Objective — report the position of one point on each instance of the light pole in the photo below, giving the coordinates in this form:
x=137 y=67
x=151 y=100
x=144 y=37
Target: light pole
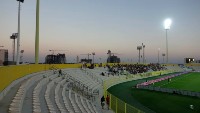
x=163 y=57
x=100 y=60
x=89 y=57
x=158 y=55
x=77 y=59
x=143 y=46
x=93 y=53
x=37 y=32
x=18 y=36
x=109 y=55
x=14 y=36
x=21 y=57
x=167 y=25
x=139 y=48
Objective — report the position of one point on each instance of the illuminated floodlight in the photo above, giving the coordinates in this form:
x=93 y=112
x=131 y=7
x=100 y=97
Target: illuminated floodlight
x=167 y=23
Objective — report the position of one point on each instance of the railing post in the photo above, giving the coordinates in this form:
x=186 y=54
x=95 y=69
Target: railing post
x=116 y=105
x=125 y=108
x=110 y=101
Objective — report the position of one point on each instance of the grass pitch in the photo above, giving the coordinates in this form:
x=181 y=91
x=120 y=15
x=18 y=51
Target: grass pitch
x=190 y=81
x=160 y=102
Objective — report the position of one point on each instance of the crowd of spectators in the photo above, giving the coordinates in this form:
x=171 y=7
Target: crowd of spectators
x=135 y=68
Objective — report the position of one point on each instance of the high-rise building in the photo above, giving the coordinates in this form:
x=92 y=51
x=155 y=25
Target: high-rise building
x=113 y=59
x=55 y=59
x=3 y=56
x=87 y=60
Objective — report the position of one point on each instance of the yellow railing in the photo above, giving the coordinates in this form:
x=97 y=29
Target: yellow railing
x=119 y=106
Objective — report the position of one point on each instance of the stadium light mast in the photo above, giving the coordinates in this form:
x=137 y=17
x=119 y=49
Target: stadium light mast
x=93 y=53
x=100 y=60
x=143 y=46
x=163 y=57
x=37 y=32
x=158 y=55
x=18 y=36
x=167 y=25
x=21 y=57
x=14 y=36
x=139 y=48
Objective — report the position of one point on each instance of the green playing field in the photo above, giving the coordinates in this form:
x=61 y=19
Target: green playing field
x=190 y=81
x=158 y=101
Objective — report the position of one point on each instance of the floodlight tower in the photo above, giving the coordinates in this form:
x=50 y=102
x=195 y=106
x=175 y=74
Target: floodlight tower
x=109 y=55
x=21 y=57
x=14 y=36
x=139 y=48
x=163 y=57
x=77 y=59
x=167 y=24
x=158 y=55
x=18 y=36
x=93 y=53
x=37 y=32
x=143 y=46
x=99 y=60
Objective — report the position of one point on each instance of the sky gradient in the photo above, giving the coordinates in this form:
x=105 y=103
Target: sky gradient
x=86 y=26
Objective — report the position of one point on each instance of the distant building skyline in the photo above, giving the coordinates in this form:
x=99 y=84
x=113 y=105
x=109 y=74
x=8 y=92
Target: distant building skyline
x=3 y=56
x=97 y=26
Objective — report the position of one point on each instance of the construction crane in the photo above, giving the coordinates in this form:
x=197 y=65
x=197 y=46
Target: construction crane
x=110 y=53
x=56 y=50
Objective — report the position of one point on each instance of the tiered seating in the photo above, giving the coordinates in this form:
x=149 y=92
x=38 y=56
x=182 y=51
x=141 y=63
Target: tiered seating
x=58 y=96
x=17 y=102
x=175 y=68
x=53 y=94
x=73 y=103
x=93 y=76
x=82 y=82
x=48 y=94
x=37 y=91
x=98 y=71
x=196 y=68
x=66 y=100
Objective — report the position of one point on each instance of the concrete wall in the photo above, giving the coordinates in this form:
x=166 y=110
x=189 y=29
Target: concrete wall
x=10 y=73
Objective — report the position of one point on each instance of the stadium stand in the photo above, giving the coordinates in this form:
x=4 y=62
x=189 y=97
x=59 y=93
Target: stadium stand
x=174 y=68
x=195 y=67
x=77 y=90
x=49 y=92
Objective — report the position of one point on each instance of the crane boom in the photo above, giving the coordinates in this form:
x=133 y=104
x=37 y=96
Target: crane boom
x=56 y=50
x=87 y=55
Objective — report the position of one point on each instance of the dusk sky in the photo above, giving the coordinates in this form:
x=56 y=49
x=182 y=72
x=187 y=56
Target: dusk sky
x=86 y=26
